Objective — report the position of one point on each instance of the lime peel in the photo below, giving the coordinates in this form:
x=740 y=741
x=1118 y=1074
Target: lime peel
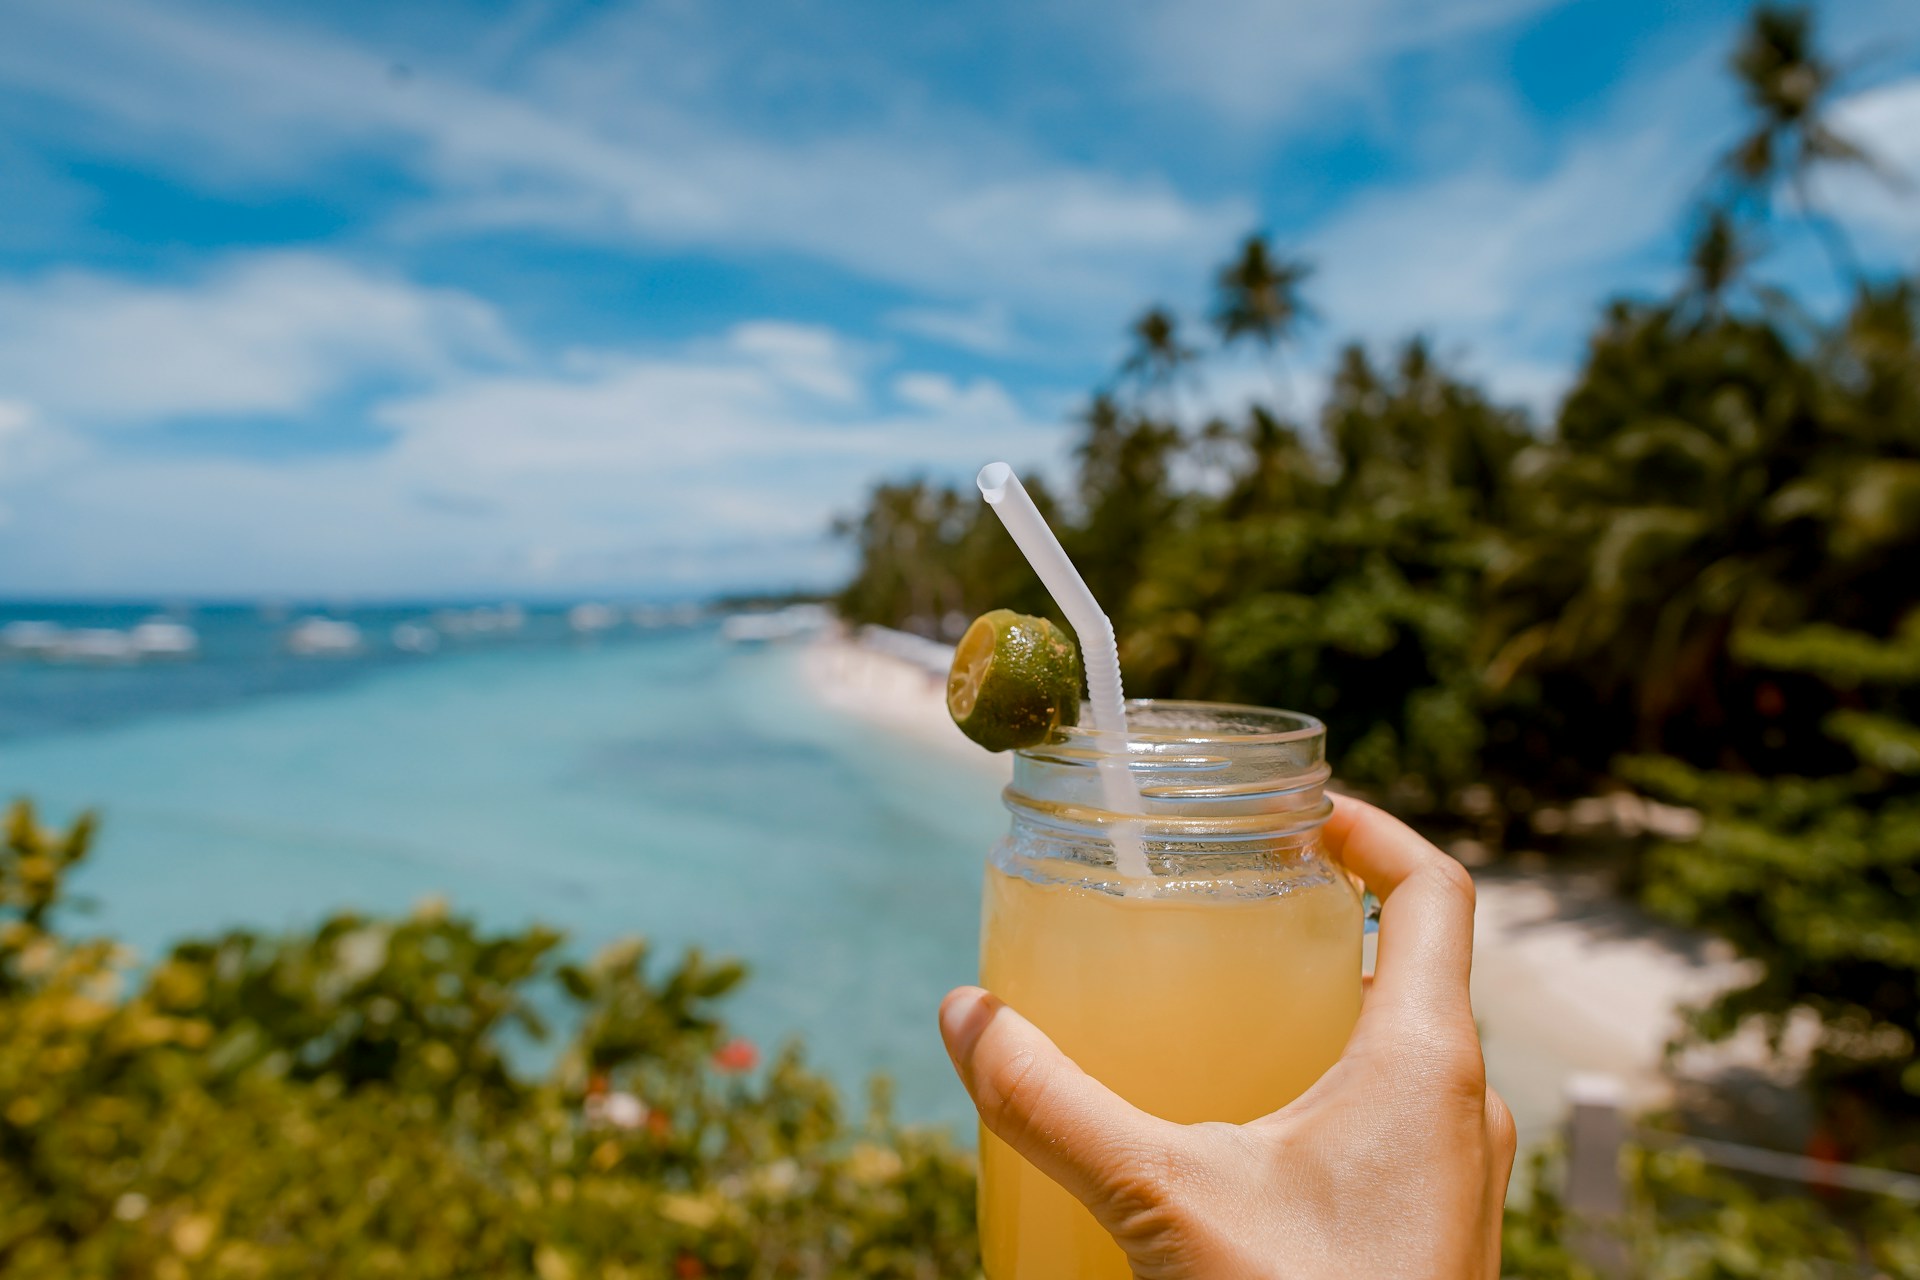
x=1015 y=680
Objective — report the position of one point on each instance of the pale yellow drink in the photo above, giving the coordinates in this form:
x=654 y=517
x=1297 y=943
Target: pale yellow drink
x=1220 y=990
x=1230 y=1009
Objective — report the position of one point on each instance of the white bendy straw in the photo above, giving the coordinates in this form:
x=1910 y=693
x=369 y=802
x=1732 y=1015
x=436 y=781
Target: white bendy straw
x=1008 y=498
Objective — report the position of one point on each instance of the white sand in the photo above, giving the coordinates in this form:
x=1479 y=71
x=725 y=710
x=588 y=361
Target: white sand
x=893 y=694
x=1566 y=978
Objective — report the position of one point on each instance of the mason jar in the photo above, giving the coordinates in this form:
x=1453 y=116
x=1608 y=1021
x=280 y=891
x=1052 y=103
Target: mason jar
x=1218 y=987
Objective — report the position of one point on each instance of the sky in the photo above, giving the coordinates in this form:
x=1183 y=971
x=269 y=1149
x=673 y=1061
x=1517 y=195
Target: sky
x=557 y=299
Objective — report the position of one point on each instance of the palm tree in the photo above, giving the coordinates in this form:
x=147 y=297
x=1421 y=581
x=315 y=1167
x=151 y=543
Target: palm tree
x=904 y=577
x=1278 y=472
x=1158 y=354
x=1710 y=478
x=1126 y=492
x=1413 y=433
x=1715 y=262
x=1789 y=89
x=1257 y=296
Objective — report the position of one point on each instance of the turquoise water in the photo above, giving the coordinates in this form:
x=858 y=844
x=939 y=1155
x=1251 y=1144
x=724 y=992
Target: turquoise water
x=664 y=784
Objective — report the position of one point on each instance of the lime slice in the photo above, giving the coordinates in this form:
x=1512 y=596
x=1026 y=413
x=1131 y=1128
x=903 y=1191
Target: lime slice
x=1015 y=679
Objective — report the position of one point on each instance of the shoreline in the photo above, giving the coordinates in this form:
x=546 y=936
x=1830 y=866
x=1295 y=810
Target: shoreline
x=897 y=684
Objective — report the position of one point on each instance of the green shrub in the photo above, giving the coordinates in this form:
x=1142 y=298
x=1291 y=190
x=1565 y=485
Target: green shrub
x=1688 y=1221
x=344 y=1103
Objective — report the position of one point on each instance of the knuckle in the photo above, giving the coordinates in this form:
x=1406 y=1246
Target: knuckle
x=1464 y=1084
x=1466 y=1062
x=1012 y=1090
x=1143 y=1200
x=1451 y=876
x=1449 y=1067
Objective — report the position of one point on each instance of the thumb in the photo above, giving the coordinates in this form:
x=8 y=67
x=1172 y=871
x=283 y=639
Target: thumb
x=1033 y=1098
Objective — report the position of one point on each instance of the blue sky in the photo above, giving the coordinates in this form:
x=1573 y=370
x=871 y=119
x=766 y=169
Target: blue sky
x=547 y=299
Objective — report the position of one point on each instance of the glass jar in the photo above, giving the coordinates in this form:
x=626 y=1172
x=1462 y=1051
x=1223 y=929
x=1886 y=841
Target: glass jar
x=1218 y=988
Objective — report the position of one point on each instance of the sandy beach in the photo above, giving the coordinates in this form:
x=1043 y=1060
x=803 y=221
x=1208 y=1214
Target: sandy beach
x=1567 y=979
x=899 y=688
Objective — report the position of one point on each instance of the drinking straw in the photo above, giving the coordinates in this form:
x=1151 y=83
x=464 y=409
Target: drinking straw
x=1009 y=499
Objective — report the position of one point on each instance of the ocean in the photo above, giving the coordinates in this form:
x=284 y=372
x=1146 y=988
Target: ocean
x=654 y=781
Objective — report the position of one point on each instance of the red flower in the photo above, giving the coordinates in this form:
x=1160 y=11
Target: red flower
x=688 y=1267
x=736 y=1056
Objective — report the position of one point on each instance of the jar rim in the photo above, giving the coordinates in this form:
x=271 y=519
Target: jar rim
x=1235 y=723
x=1202 y=771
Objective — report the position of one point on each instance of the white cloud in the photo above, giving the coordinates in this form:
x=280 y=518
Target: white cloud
x=719 y=463
x=1886 y=122
x=726 y=455
x=696 y=418
x=29 y=446
x=984 y=329
x=973 y=216
x=269 y=334
x=1504 y=263
x=1487 y=248
x=1506 y=267
x=806 y=357
x=979 y=400
x=1256 y=59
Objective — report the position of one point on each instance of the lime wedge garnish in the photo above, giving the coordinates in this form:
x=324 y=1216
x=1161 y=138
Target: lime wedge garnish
x=1015 y=679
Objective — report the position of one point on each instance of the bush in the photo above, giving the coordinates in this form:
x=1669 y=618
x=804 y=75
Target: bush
x=345 y=1103
x=1687 y=1221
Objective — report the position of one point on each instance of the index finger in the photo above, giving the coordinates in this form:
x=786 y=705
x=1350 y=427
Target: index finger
x=1426 y=908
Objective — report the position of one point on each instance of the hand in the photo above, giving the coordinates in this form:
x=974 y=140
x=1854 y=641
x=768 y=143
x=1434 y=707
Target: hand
x=1394 y=1164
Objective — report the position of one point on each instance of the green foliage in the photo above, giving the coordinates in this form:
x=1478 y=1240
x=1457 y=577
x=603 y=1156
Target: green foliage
x=1457 y=596
x=1713 y=480
x=420 y=1004
x=1687 y=1221
x=32 y=876
x=343 y=1103
x=1536 y=1235
x=1126 y=496
x=932 y=559
x=1842 y=658
x=1344 y=582
x=1817 y=878
x=1257 y=295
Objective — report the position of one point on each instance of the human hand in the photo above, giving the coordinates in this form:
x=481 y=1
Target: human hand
x=1394 y=1164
